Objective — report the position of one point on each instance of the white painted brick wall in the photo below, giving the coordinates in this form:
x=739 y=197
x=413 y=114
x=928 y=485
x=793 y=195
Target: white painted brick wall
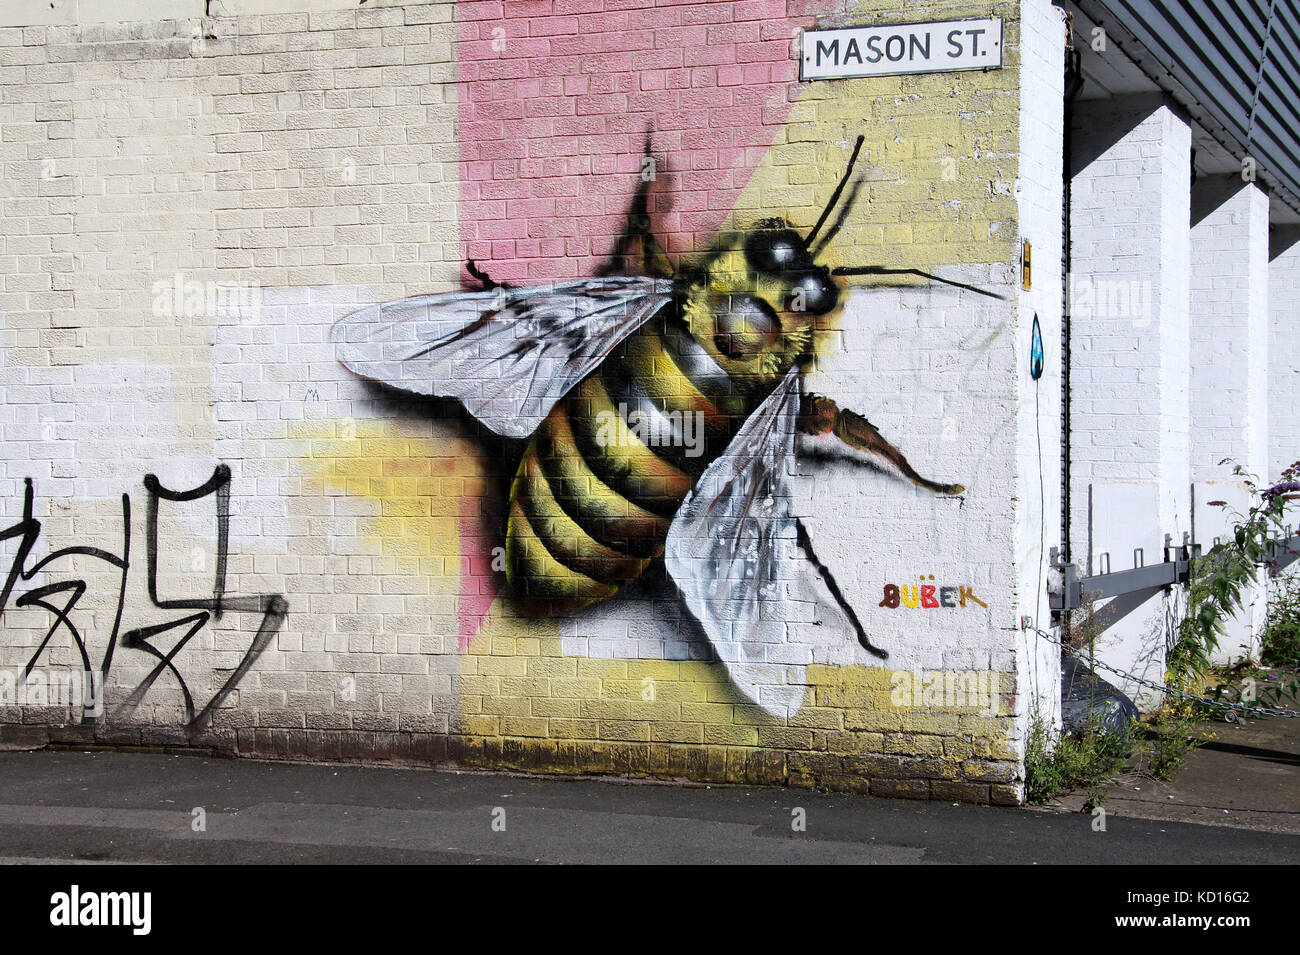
x=1130 y=409
x=1229 y=328
x=1129 y=327
x=1230 y=364
x=1039 y=192
x=316 y=170
x=1284 y=350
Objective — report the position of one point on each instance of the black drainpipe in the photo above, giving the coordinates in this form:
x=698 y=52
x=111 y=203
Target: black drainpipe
x=1073 y=83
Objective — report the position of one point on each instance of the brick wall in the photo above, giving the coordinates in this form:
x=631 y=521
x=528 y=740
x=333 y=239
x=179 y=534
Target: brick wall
x=1039 y=191
x=1229 y=326
x=1130 y=367
x=1131 y=261
x=191 y=204
x=1283 y=360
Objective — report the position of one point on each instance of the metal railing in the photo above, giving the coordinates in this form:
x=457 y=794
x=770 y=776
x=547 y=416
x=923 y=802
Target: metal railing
x=1127 y=590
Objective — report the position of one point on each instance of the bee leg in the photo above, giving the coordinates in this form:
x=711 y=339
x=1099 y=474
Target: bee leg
x=637 y=252
x=488 y=282
x=805 y=544
x=820 y=415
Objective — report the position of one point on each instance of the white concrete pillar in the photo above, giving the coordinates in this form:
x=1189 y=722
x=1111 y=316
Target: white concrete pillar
x=1283 y=349
x=1130 y=409
x=1229 y=326
x=1229 y=362
x=1284 y=354
x=1039 y=196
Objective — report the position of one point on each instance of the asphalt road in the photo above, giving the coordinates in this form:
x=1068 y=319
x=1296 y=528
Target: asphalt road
x=130 y=807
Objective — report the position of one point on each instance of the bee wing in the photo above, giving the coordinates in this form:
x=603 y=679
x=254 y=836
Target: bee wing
x=508 y=354
x=731 y=548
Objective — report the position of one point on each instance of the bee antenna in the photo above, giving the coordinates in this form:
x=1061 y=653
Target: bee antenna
x=835 y=196
x=834 y=230
x=882 y=270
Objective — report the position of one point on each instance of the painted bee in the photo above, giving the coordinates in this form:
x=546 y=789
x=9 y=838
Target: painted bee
x=660 y=410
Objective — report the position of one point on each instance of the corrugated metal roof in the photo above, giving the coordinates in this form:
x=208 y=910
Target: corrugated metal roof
x=1234 y=64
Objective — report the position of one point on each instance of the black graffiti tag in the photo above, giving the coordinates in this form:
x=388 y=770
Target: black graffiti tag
x=27 y=530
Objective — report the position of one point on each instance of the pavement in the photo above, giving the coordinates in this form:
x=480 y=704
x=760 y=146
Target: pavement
x=1247 y=776
x=119 y=806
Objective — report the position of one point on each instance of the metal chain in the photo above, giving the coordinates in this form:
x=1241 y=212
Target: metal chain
x=1249 y=709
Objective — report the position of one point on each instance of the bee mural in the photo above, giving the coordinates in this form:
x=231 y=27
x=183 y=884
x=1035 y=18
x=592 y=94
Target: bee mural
x=660 y=409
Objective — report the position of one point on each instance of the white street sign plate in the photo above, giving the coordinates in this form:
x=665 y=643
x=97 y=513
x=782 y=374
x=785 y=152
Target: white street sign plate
x=902 y=48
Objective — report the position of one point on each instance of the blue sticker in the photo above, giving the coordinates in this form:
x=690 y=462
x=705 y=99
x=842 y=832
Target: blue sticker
x=1036 y=352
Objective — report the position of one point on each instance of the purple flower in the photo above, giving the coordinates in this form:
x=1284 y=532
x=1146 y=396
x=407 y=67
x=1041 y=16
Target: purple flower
x=1286 y=487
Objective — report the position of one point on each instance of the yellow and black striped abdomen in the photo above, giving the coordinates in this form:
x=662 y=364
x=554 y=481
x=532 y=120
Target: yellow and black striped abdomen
x=602 y=478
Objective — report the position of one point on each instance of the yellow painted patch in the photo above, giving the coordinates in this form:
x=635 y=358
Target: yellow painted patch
x=938 y=162
x=546 y=696
x=416 y=479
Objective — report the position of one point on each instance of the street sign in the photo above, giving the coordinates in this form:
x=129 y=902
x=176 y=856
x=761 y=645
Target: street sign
x=942 y=47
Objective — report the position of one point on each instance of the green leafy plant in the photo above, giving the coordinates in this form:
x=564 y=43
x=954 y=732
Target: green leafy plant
x=1280 y=643
x=1175 y=731
x=1057 y=762
x=1086 y=757
x=1254 y=686
x=1221 y=576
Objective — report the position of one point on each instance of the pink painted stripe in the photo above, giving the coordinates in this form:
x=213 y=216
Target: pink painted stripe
x=555 y=97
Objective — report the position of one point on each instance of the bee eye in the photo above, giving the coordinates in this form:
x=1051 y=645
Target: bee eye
x=744 y=326
x=775 y=251
x=815 y=293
